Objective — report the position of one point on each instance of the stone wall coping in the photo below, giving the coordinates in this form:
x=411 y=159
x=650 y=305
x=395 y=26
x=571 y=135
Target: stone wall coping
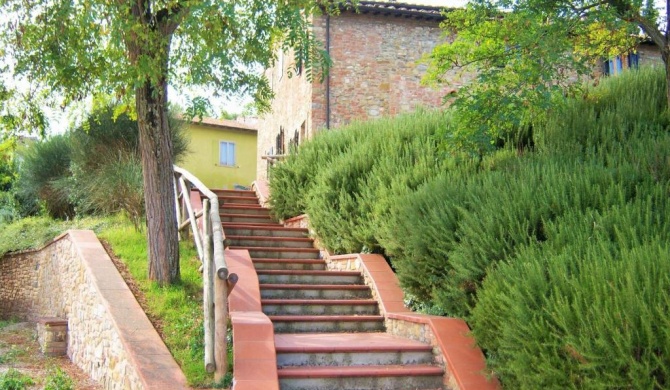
x=254 y=353
x=154 y=364
x=297 y=218
x=343 y=257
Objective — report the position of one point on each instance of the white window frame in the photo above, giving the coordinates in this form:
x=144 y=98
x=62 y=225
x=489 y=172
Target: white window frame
x=225 y=163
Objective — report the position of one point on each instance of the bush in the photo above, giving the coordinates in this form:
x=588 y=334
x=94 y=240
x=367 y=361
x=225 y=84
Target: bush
x=13 y=379
x=629 y=106
x=98 y=169
x=347 y=180
x=291 y=180
x=58 y=380
x=588 y=311
x=43 y=165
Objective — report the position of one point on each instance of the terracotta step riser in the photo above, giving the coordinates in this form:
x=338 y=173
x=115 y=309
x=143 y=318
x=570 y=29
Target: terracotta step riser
x=265 y=232
x=269 y=253
x=387 y=383
x=314 y=294
x=291 y=309
x=327 y=326
x=289 y=266
x=310 y=279
x=245 y=211
x=270 y=243
x=354 y=358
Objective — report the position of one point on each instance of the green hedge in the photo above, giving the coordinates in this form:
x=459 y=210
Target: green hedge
x=347 y=180
x=591 y=310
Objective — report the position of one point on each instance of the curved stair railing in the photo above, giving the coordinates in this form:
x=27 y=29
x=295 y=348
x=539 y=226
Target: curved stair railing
x=217 y=281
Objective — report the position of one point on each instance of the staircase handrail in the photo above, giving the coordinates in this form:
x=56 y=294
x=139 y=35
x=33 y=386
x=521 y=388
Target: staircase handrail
x=210 y=245
x=217 y=231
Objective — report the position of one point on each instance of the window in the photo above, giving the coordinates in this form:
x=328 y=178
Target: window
x=620 y=63
x=226 y=154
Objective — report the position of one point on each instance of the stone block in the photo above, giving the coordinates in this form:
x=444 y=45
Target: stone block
x=52 y=335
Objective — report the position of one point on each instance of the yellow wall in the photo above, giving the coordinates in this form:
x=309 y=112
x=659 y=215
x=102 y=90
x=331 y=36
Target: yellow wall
x=202 y=158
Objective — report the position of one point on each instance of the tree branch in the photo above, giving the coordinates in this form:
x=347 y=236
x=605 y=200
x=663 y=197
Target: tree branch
x=581 y=10
x=654 y=33
x=168 y=19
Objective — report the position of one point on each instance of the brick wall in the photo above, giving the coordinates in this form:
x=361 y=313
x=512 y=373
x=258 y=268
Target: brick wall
x=377 y=70
x=375 y=73
x=290 y=110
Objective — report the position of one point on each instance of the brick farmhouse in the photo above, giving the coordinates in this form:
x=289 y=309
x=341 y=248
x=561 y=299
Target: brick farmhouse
x=376 y=71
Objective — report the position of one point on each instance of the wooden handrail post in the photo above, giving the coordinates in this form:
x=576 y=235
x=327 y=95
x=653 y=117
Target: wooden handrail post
x=191 y=217
x=221 y=319
x=177 y=211
x=215 y=271
x=208 y=295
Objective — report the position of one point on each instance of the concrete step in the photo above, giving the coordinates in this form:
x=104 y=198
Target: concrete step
x=243 y=209
x=349 y=349
x=251 y=225
x=266 y=231
x=270 y=242
x=226 y=200
x=326 y=291
x=326 y=323
x=320 y=306
x=308 y=277
x=290 y=264
x=389 y=377
x=246 y=218
x=280 y=253
x=238 y=193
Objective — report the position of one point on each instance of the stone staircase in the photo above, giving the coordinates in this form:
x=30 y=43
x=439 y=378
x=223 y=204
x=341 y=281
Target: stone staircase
x=329 y=333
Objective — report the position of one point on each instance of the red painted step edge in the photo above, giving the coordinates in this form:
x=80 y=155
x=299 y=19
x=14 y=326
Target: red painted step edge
x=270 y=238
x=306 y=272
x=272 y=286
x=324 y=302
x=321 y=318
x=359 y=371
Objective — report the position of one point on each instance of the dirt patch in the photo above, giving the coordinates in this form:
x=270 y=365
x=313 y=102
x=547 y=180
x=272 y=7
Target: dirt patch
x=20 y=350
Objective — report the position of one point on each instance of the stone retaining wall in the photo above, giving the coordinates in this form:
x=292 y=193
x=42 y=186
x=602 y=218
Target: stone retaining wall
x=109 y=336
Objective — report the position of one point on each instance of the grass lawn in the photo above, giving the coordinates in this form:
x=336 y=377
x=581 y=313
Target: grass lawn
x=176 y=311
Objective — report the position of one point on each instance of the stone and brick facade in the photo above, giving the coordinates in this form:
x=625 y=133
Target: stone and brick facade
x=376 y=72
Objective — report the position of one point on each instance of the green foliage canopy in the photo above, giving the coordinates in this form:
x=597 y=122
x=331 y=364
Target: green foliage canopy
x=86 y=48
x=527 y=55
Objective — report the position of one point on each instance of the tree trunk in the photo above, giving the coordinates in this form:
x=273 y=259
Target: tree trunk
x=665 y=55
x=156 y=152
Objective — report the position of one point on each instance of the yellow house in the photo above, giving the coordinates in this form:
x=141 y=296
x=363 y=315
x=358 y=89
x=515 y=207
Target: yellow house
x=221 y=153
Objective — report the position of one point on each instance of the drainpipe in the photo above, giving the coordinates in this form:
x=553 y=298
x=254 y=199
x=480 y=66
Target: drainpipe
x=328 y=76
